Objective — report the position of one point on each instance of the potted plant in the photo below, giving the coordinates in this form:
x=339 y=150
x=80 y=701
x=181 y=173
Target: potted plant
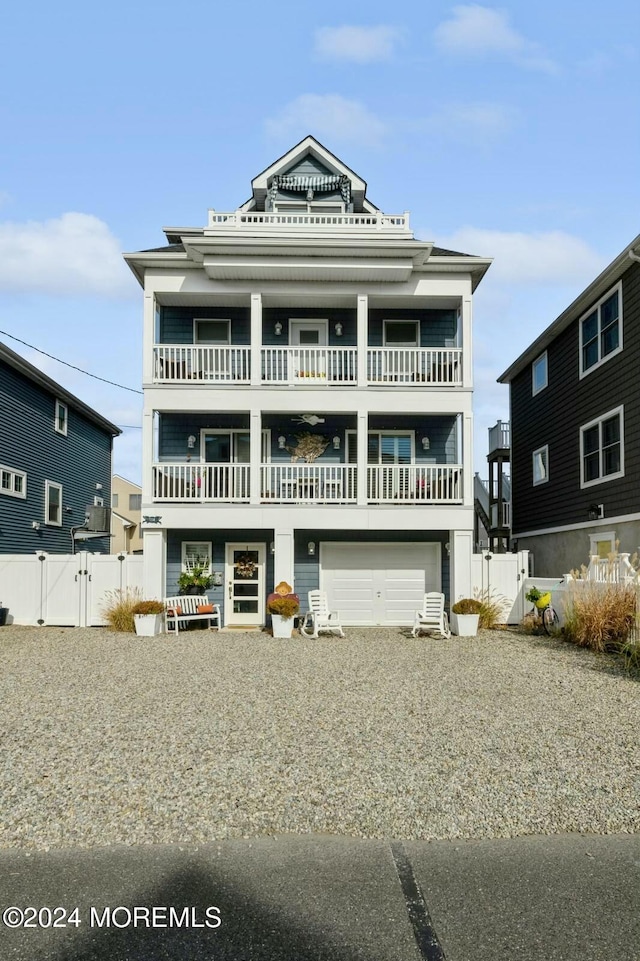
x=283 y=606
x=148 y=617
x=195 y=581
x=465 y=615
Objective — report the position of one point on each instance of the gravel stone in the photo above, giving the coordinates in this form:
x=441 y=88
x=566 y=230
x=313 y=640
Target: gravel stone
x=108 y=738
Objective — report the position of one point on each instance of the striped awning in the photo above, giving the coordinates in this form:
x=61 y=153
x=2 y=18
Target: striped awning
x=305 y=183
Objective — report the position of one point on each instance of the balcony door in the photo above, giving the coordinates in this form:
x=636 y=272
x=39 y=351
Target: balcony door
x=309 y=363
x=223 y=449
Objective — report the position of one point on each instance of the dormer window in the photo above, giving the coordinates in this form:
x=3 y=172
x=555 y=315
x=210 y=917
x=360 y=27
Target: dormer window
x=311 y=193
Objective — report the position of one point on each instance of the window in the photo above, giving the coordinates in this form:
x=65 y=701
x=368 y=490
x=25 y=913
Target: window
x=539 y=374
x=98 y=501
x=211 y=331
x=401 y=333
x=195 y=553
x=13 y=482
x=602 y=544
x=135 y=502
x=61 y=418
x=602 y=449
x=601 y=331
x=53 y=503
x=114 y=500
x=541 y=465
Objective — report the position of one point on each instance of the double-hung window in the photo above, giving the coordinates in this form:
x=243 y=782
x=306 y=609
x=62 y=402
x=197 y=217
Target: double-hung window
x=602 y=448
x=53 y=503
x=13 y=482
x=601 y=331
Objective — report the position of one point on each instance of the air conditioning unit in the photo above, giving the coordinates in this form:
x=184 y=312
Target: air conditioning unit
x=97 y=518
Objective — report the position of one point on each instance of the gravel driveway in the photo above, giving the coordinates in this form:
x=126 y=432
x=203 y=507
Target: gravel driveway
x=108 y=738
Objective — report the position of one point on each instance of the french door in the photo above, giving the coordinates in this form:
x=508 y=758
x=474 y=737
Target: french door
x=245 y=578
x=309 y=362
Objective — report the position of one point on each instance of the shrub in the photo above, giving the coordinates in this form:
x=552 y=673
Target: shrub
x=630 y=650
x=599 y=615
x=198 y=578
x=493 y=607
x=118 y=608
x=534 y=594
x=468 y=605
x=148 y=607
x=285 y=606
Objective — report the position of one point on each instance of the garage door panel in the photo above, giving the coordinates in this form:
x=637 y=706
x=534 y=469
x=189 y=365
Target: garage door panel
x=379 y=583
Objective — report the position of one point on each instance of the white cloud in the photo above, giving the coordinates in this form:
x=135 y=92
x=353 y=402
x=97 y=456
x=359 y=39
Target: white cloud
x=74 y=254
x=480 y=31
x=552 y=257
x=356 y=44
x=327 y=116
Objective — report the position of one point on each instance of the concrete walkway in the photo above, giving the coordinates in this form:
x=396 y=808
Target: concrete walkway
x=318 y=898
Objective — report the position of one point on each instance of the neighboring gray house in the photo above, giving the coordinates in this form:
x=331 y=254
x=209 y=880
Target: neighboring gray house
x=575 y=426
x=55 y=461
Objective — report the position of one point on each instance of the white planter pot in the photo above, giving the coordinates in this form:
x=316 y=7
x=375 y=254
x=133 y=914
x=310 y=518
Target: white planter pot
x=282 y=626
x=148 y=625
x=465 y=625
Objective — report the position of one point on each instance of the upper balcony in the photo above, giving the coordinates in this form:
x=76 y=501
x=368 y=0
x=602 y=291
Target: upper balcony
x=326 y=224
x=301 y=348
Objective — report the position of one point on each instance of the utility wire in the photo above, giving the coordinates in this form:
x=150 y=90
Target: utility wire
x=57 y=359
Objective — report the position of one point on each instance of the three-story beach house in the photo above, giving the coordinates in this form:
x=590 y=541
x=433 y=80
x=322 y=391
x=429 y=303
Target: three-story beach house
x=307 y=401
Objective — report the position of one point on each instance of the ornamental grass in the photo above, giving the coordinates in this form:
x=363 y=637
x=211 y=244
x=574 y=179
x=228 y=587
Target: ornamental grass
x=118 y=608
x=599 y=616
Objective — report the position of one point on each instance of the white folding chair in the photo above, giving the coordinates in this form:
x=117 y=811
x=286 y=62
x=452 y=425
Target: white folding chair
x=319 y=617
x=432 y=617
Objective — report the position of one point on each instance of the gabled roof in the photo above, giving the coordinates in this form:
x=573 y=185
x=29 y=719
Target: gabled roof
x=583 y=301
x=28 y=370
x=284 y=164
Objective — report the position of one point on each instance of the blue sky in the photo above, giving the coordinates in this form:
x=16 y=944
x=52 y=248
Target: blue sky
x=508 y=131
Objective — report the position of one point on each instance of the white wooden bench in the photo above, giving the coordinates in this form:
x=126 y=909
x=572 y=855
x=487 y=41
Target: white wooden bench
x=188 y=605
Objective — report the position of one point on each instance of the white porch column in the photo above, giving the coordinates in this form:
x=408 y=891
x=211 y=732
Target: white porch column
x=467 y=459
x=467 y=344
x=148 y=336
x=147 y=456
x=154 y=565
x=283 y=557
x=256 y=340
x=461 y=547
x=361 y=448
x=255 y=455
x=362 y=338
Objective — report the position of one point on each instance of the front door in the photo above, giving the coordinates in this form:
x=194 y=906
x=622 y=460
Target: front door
x=244 y=569
x=309 y=361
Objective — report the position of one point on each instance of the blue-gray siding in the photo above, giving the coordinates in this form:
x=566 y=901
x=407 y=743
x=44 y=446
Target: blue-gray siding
x=28 y=442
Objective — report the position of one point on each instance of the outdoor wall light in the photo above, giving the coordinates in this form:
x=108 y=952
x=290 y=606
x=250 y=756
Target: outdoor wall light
x=336 y=443
x=282 y=440
x=596 y=511
x=35 y=525
x=98 y=487
x=426 y=443
x=272 y=547
x=311 y=548
x=277 y=328
x=191 y=441
x=338 y=329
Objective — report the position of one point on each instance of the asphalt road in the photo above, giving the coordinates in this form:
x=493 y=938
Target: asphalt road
x=570 y=898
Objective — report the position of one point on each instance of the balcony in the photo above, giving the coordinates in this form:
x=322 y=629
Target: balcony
x=308 y=366
x=307 y=484
x=239 y=220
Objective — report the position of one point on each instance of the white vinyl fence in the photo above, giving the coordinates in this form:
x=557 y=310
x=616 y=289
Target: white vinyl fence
x=64 y=589
x=504 y=575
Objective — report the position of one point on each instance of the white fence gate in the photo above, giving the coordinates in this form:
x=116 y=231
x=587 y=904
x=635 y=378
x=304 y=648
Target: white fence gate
x=64 y=589
x=503 y=574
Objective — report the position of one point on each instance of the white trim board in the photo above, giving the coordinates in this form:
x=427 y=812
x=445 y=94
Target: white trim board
x=602 y=522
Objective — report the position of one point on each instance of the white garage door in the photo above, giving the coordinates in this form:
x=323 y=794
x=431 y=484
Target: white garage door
x=371 y=584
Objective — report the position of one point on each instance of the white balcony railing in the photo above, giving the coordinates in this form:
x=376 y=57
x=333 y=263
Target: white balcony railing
x=220 y=364
x=500 y=436
x=438 y=366
x=238 y=220
x=201 y=482
x=308 y=483
x=311 y=366
x=412 y=484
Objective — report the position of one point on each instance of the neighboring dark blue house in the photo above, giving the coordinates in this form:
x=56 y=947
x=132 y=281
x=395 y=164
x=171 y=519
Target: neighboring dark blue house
x=55 y=461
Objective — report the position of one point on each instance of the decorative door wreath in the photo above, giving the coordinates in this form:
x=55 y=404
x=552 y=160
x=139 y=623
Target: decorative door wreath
x=245 y=566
